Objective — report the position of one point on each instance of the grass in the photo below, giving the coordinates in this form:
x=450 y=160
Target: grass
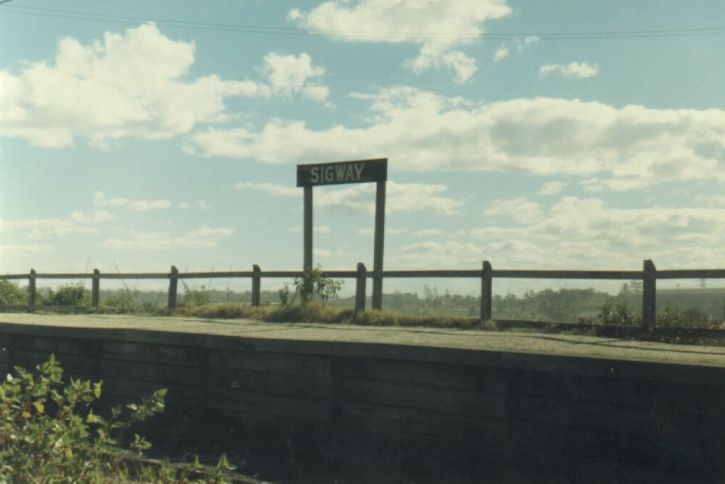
x=317 y=313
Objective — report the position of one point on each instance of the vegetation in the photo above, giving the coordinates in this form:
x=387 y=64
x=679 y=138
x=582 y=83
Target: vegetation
x=50 y=433
x=313 y=285
x=315 y=312
x=195 y=297
x=11 y=294
x=70 y=295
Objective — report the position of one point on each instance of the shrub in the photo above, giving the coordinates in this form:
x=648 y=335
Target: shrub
x=71 y=295
x=285 y=298
x=618 y=314
x=195 y=297
x=314 y=285
x=49 y=433
x=688 y=319
x=122 y=301
x=11 y=294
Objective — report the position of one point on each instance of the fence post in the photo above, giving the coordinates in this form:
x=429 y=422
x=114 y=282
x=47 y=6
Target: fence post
x=95 y=288
x=649 y=296
x=486 y=290
x=256 y=284
x=31 y=289
x=173 y=283
x=360 y=288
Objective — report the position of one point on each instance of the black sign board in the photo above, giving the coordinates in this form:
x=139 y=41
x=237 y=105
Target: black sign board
x=342 y=172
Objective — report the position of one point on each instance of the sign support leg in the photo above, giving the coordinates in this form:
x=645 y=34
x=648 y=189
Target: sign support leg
x=378 y=250
x=308 y=229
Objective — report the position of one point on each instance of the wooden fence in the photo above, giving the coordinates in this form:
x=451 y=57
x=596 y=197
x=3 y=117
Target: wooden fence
x=648 y=275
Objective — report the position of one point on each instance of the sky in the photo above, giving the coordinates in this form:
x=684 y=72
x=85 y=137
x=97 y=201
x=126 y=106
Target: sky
x=534 y=134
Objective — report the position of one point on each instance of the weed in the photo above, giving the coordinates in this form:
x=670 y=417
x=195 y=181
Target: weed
x=313 y=285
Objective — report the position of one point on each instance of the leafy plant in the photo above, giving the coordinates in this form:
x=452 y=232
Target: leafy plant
x=123 y=301
x=285 y=297
x=314 y=285
x=71 y=295
x=617 y=313
x=196 y=297
x=688 y=319
x=50 y=433
x=11 y=294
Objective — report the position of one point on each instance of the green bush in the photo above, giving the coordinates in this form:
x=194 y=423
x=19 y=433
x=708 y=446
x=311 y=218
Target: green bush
x=195 y=297
x=71 y=295
x=11 y=294
x=49 y=433
x=691 y=318
x=313 y=285
x=122 y=301
x=617 y=313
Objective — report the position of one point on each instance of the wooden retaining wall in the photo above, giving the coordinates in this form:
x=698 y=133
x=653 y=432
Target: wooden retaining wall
x=406 y=411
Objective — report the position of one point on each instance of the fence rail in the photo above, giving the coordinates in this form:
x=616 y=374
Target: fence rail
x=648 y=275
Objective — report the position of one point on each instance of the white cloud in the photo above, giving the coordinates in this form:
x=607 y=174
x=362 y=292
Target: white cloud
x=711 y=200
x=580 y=233
x=202 y=237
x=518 y=209
x=588 y=228
x=101 y=200
x=400 y=197
x=21 y=249
x=448 y=254
x=131 y=85
x=501 y=53
x=318 y=229
x=388 y=231
x=575 y=70
x=270 y=189
x=632 y=146
x=74 y=223
x=438 y=27
x=520 y=44
x=200 y=204
x=523 y=43
x=289 y=74
x=429 y=233
x=551 y=188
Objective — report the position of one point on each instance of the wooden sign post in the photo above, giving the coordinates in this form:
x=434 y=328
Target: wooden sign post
x=337 y=173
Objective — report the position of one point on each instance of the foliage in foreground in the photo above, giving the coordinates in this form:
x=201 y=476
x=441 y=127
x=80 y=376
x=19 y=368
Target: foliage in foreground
x=49 y=433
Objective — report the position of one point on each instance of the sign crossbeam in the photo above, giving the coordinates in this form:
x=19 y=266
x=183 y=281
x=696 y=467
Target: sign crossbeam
x=341 y=172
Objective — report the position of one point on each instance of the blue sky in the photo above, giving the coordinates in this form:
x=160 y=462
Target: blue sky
x=534 y=134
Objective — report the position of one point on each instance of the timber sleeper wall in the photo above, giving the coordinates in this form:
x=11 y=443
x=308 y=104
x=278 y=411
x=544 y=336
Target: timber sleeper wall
x=431 y=411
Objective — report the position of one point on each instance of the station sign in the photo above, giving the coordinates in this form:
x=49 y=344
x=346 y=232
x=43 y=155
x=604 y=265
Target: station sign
x=340 y=172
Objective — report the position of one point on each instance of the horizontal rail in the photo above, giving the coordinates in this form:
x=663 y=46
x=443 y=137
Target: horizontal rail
x=136 y=275
x=442 y=273
x=526 y=274
x=692 y=274
x=213 y=275
x=62 y=276
x=434 y=273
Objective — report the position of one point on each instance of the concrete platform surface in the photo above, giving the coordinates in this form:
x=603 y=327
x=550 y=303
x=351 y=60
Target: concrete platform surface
x=510 y=341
